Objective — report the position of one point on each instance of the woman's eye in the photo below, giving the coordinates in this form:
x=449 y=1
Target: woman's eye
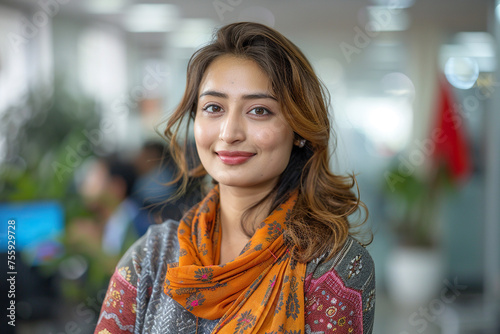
x=212 y=108
x=260 y=111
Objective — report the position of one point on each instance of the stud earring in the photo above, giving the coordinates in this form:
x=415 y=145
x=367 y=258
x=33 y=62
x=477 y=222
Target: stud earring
x=302 y=142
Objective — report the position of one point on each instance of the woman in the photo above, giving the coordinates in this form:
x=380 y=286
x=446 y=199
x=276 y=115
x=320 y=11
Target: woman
x=268 y=250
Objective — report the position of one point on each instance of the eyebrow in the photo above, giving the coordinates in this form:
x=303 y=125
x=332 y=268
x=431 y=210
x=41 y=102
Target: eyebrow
x=254 y=96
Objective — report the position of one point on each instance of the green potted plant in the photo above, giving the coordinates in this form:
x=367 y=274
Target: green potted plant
x=415 y=265
x=42 y=131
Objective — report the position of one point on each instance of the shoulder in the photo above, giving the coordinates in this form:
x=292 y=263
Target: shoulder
x=353 y=264
x=141 y=268
x=341 y=291
x=153 y=250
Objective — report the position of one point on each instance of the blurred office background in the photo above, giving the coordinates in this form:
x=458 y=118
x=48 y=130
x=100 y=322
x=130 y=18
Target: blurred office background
x=415 y=99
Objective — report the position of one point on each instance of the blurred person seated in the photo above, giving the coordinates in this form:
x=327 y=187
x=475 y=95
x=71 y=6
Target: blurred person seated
x=117 y=221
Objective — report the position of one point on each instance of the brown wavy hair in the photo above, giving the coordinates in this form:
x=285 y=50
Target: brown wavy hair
x=319 y=223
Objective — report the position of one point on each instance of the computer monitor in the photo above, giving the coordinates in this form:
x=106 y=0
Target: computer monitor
x=38 y=228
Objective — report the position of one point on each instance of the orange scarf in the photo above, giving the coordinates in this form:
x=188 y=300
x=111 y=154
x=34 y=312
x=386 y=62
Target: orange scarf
x=259 y=291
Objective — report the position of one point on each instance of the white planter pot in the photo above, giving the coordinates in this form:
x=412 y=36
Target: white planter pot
x=414 y=275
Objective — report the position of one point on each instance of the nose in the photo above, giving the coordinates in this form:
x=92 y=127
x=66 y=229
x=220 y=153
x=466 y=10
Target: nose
x=232 y=129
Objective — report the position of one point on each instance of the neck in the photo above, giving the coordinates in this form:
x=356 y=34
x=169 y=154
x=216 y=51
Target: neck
x=234 y=201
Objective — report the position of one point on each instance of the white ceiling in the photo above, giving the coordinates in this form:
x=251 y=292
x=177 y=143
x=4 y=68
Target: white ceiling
x=301 y=15
x=308 y=21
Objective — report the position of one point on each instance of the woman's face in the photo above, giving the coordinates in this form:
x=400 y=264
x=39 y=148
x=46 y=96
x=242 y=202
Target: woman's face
x=241 y=135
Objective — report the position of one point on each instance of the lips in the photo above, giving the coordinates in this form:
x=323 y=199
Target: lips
x=234 y=157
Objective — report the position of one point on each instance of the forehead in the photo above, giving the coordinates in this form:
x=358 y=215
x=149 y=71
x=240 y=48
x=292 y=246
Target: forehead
x=235 y=73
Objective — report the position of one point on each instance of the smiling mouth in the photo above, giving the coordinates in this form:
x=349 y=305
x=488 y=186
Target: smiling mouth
x=234 y=157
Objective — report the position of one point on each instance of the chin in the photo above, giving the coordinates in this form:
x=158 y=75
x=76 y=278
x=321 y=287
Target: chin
x=232 y=180
x=233 y=183
x=242 y=181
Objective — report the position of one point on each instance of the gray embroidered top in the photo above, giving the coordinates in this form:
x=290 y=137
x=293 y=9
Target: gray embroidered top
x=339 y=293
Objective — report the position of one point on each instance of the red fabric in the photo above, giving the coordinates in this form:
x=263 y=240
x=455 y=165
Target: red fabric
x=331 y=306
x=118 y=308
x=452 y=149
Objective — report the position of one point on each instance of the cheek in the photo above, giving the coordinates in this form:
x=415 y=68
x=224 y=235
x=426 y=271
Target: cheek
x=275 y=136
x=203 y=134
x=198 y=134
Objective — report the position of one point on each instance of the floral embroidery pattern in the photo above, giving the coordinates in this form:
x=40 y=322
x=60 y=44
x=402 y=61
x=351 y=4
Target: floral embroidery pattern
x=204 y=274
x=253 y=286
x=370 y=302
x=269 y=290
x=292 y=306
x=246 y=248
x=331 y=311
x=245 y=322
x=125 y=273
x=280 y=304
x=199 y=240
x=203 y=249
x=274 y=229
x=332 y=305
x=185 y=291
x=114 y=296
x=288 y=215
x=104 y=331
x=281 y=330
x=292 y=303
x=247 y=279
x=194 y=300
x=119 y=305
x=309 y=302
x=355 y=266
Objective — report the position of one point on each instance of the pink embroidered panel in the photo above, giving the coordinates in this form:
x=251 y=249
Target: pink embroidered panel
x=119 y=305
x=331 y=307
